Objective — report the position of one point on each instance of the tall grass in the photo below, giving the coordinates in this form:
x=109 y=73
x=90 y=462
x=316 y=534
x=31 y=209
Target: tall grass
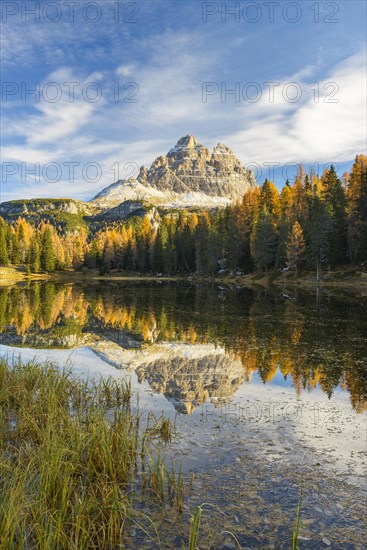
x=70 y=454
x=77 y=461
x=194 y=527
x=298 y=520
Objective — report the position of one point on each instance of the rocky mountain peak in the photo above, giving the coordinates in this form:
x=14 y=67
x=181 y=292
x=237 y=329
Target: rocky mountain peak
x=188 y=175
x=190 y=142
x=221 y=149
x=190 y=167
x=188 y=147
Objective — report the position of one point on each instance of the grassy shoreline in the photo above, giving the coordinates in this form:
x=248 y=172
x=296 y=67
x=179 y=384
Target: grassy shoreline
x=77 y=460
x=81 y=468
x=346 y=277
x=17 y=274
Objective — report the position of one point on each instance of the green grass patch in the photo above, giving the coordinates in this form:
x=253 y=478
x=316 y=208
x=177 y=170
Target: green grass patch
x=72 y=457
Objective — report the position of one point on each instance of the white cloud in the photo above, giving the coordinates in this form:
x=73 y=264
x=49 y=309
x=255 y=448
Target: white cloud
x=30 y=155
x=55 y=121
x=125 y=70
x=170 y=106
x=308 y=131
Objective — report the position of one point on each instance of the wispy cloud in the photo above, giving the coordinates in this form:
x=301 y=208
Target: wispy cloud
x=311 y=131
x=169 y=60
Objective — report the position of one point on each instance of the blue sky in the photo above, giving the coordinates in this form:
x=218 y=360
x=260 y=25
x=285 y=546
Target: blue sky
x=166 y=53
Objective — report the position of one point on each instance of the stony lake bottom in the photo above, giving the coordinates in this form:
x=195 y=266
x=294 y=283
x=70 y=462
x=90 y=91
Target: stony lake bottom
x=266 y=390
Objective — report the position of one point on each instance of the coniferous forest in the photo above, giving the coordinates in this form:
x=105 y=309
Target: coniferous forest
x=313 y=223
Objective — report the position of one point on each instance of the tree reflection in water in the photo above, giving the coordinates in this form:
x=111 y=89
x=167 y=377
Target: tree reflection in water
x=198 y=341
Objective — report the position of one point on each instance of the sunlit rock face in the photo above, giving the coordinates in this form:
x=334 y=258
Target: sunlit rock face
x=188 y=175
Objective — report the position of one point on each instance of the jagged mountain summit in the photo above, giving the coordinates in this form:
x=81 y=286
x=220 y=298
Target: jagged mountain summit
x=189 y=175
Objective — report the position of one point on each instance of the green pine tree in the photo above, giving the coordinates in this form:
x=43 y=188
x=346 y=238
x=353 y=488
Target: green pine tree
x=295 y=247
x=4 y=255
x=34 y=256
x=318 y=234
x=158 y=253
x=357 y=210
x=264 y=242
x=13 y=247
x=48 y=259
x=335 y=201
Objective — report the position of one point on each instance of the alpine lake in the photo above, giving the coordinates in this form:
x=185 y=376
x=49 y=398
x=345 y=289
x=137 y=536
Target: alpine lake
x=266 y=390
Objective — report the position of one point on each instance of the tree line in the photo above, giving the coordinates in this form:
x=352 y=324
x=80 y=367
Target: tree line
x=314 y=223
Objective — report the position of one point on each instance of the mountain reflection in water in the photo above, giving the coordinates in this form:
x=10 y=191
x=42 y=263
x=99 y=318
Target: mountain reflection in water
x=194 y=343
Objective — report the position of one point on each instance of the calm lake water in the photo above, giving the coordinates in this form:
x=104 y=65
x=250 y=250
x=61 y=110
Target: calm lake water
x=267 y=389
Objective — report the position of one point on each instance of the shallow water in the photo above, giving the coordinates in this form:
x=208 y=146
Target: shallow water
x=267 y=390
